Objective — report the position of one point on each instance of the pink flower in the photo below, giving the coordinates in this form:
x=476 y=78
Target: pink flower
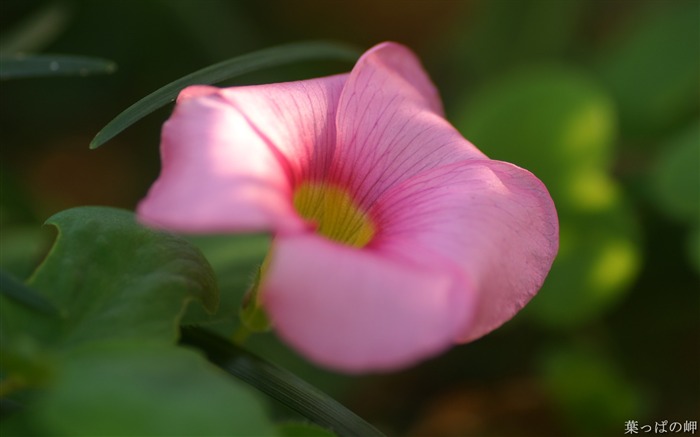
x=394 y=237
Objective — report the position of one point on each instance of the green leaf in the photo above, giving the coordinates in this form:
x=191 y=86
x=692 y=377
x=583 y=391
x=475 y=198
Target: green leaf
x=502 y=34
x=23 y=66
x=141 y=388
x=552 y=120
x=267 y=58
x=559 y=124
x=23 y=246
x=652 y=69
x=253 y=314
x=693 y=248
x=294 y=429
x=113 y=278
x=279 y=384
x=598 y=259
x=36 y=31
x=593 y=395
x=109 y=365
x=676 y=179
x=20 y=293
x=234 y=259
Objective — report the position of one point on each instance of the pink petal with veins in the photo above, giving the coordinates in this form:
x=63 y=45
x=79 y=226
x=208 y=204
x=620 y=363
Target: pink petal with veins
x=462 y=242
x=390 y=125
x=493 y=220
x=230 y=157
x=356 y=310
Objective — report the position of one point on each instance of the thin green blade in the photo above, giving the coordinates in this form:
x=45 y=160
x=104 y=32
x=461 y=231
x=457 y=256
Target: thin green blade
x=279 y=384
x=271 y=57
x=23 y=66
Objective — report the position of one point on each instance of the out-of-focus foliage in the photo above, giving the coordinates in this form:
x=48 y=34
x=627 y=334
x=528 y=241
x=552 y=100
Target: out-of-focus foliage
x=597 y=98
x=120 y=290
x=591 y=392
x=675 y=185
x=258 y=60
x=652 y=68
x=23 y=66
x=558 y=124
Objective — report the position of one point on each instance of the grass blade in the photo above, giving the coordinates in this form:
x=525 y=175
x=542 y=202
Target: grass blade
x=271 y=57
x=23 y=66
x=279 y=384
x=37 y=31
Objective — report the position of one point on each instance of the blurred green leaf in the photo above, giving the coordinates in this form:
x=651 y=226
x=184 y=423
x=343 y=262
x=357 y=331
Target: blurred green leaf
x=111 y=278
x=141 y=388
x=293 y=429
x=36 y=31
x=676 y=178
x=675 y=186
x=693 y=248
x=592 y=394
x=557 y=123
x=551 y=120
x=235 y=260
x=22 y=294
x=23 y=66
x=502 y=34
x=109 y=366
x=22 y=248
x=598 y=259
x=219 y=29
x=652 y=69
x=279 y=384
x=253 y=315
x=267 y=58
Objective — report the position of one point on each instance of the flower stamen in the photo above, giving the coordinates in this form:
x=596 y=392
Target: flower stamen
x=334 y=212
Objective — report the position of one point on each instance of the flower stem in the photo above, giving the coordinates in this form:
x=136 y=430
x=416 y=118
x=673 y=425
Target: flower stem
x=240 y=335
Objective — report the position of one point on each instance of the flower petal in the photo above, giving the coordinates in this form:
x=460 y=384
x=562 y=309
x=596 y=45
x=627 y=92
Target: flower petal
x=354 y=310
x=297 y=119
x=390 y=125
x=230 y=156
x=493 y=220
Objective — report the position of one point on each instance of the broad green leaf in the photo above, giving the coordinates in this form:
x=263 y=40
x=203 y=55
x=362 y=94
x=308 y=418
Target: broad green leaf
x=235 y=259
x=23 y=66
x=112 y=278
x=141 y=388
x=676 y=178
x=109 y=365
x=279 y=384
x=23 y=246
x=267 y=58
x=652 y=68
x=553 y=121
x=598 y=259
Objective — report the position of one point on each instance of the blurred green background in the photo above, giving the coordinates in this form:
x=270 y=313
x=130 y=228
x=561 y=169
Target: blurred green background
x=600 y=99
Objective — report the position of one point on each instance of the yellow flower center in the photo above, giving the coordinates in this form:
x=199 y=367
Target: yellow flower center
x=336 y=215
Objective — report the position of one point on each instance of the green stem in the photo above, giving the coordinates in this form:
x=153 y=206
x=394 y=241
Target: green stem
x=240 y=335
